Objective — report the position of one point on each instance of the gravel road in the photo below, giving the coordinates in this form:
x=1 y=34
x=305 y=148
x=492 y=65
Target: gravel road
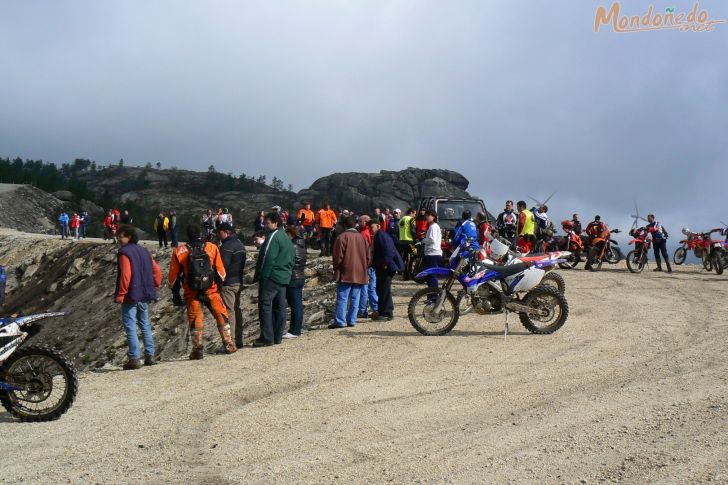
x=633 y=389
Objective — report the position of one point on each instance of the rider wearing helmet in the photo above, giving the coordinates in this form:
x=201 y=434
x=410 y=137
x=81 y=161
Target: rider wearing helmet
x=466 y=230
x=659 y=242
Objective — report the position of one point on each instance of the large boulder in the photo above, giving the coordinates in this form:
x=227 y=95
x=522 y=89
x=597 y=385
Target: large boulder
x=64 y=195
x=403 y=189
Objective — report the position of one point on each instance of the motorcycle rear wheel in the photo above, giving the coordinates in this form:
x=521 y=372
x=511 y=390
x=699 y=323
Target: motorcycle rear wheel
x=422 y=317
x=553 y=310
x=47 y=384
x=679 y=257
x=636 y=261
x=554 y=280
x=717 y=260
x=574 y=260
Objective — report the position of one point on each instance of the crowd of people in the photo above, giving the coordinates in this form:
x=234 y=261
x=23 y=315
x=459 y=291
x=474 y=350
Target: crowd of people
x=367 y=251
x=75 y=225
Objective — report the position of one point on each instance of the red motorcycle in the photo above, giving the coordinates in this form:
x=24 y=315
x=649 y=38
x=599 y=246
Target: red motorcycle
x=637 y=258
x=571 y=242
x=710 y=251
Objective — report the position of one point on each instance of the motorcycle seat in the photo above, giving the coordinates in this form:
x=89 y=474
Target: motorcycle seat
x=508 y=270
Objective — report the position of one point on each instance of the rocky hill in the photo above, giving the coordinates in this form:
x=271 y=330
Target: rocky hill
x=47 y=274
x=26 y=208
x=363 y=192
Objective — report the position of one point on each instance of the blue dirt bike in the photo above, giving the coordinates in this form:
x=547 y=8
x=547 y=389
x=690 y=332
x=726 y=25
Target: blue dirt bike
x=37 y=383
x=492 y=288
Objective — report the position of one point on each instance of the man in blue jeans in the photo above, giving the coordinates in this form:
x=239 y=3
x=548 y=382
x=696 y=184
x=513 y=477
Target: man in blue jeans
x=351 y=259
x=137 y=281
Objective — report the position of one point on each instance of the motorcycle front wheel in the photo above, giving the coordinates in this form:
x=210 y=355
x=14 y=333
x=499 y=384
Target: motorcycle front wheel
x=636 y=261
x=613 y=255
x=707 y=262
x=424 y=318
x=46 y=383
x=550 y=310
x=679 y=257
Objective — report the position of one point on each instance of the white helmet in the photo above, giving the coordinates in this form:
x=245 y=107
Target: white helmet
x=498 y=249
x=686 y=231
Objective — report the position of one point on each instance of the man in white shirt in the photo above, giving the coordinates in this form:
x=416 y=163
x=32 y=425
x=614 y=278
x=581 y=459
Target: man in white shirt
x=433 y=247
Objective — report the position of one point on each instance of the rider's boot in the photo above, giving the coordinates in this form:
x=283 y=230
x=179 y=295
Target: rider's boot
x=227 y=339
x=197 y=350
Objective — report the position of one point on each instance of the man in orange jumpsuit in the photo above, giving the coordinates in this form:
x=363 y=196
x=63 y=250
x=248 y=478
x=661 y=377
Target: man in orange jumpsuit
x=210 y=297
x=326 y=219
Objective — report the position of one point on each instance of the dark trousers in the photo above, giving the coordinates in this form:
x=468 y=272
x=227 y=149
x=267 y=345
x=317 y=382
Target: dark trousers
x=431 y=262
x=326 y=242
x=84 y=227
x=162 y=235
x=294 y=297
x=271 y=310
x=660 y=247
x=405 y=250
x=173 y=233
x=384 y=293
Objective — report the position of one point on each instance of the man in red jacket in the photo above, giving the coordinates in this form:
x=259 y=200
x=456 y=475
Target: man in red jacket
x=137 y=281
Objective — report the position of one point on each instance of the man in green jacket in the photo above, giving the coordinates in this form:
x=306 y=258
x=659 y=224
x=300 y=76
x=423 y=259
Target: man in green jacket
x=273 y=273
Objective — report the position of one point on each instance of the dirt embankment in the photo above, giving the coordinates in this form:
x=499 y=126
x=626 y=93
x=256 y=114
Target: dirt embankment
x=48 y=274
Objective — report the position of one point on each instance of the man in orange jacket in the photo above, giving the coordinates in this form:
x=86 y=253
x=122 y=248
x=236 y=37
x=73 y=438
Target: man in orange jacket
x=307 y=219
x=326 y=219
x=210 y=297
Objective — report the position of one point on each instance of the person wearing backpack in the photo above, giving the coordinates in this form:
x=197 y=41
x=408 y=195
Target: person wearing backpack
x=273 y=272
x=199 y=264
x=233 y=256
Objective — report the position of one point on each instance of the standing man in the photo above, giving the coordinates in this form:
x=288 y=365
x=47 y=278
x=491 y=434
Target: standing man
x=507 y=222
x=273 y=273
x=63 y=221
x=526 y=227
x=200 y=266
x=407 y=240
x=433 y=247
x=326 y=219
x=137 y=281
x=75 y=224
x=233 y=256
x=85 y=220
x=368 y=298
x=577 y=224
x=351 y=260
x=306 y=219
x=173 y=227
x=659 y=242
x=161 y=225
x=393 y=225
x=386 y=261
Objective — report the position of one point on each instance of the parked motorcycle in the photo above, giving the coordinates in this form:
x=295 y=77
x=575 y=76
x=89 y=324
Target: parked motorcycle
x=692 y=242
x=604 y=249
x=493 y=289
x=637 y=258
x=37 y=383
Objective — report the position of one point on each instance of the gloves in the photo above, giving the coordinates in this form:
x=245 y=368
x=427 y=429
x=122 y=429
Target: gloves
x=177 y=299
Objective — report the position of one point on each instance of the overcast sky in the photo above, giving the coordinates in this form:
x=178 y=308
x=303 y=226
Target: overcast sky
x=521 y=97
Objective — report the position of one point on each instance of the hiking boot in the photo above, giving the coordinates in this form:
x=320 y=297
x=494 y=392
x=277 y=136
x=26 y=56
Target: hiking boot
x=669 y=268
x=374 y=315
x=657 y=269
x=132 y=364
x=150 y=360
x=197 y=354
x=333 y=325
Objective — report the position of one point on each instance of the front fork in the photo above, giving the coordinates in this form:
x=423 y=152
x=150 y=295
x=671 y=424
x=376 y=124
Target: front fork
x=443 y=292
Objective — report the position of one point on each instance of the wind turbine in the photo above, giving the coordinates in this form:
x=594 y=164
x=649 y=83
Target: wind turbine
x=636 y=216
x=541 y=204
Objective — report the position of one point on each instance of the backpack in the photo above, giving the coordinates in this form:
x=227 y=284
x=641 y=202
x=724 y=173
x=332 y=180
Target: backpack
x=199 y=268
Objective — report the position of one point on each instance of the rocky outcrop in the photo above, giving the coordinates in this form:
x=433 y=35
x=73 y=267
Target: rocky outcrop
x=364 y=191
x=47 y=274
x=26 y=208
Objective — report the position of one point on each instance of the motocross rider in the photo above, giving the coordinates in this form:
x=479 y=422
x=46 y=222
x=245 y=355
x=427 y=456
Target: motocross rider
x=466 y=230
x=659 y=242
x=507 y=222
x=595 y=229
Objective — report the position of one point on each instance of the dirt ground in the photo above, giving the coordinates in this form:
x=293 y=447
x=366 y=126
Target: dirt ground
x=632 y=389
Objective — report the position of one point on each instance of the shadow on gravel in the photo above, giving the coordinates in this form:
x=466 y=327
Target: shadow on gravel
x=413 y=333
x=8 y=418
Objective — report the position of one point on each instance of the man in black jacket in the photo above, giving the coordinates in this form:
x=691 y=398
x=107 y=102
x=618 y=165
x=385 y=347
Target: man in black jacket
x=233 y=256
x=386 y=261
